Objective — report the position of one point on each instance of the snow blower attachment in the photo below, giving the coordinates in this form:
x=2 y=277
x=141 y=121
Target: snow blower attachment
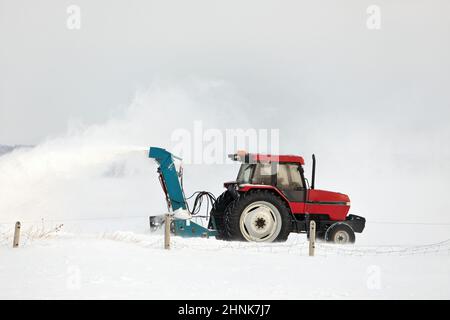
x=269 y=199
x=176 y=201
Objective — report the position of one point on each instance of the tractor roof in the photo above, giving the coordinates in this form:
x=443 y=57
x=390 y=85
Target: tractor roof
x=278 y=158
x=258 y=157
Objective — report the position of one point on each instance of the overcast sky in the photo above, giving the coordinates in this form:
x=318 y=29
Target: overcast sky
x=307 y=59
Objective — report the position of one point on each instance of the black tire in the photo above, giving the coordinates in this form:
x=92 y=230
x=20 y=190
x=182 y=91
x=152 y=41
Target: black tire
x=218 y=213
x=236 y=208
x=340 y=233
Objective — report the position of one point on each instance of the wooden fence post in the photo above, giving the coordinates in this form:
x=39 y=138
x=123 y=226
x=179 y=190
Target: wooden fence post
x=167 y=221
x=16 y=235
x=312 y=238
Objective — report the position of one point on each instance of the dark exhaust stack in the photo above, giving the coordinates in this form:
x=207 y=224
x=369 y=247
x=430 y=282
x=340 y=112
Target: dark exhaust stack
x=313 y=178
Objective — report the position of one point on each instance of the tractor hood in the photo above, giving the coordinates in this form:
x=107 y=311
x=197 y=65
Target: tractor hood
x=329 y=197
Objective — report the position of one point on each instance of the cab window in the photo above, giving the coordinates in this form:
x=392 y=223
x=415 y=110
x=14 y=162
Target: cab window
x=289 y=177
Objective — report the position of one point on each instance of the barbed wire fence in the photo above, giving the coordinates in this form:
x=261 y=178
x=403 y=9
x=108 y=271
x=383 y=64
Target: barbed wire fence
x=51 y=228
x=325 y=249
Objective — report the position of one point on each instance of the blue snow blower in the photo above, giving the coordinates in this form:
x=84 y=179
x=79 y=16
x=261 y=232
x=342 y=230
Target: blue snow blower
x=172 y=184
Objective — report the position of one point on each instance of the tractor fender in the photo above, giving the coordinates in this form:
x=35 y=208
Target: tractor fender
x=251 y=187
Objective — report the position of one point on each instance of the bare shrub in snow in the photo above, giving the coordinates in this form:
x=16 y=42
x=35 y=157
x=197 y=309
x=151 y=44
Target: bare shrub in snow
x=30 y=233
x=42 y=232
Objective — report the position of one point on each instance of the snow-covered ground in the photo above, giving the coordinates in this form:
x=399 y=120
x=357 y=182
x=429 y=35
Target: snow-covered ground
x=132 y=264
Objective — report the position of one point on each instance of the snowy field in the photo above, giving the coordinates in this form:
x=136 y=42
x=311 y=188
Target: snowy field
x=133 y=265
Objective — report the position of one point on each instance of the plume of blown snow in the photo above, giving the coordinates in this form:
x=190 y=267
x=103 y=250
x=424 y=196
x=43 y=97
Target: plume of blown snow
x=103 y=170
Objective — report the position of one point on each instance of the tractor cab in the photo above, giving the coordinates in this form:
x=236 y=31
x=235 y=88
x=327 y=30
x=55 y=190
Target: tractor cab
x=282 y=172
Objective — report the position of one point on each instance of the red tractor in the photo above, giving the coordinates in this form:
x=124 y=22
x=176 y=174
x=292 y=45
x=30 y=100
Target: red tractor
x=271 y=198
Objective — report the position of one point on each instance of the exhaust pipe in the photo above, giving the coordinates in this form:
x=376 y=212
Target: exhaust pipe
x=313 y=178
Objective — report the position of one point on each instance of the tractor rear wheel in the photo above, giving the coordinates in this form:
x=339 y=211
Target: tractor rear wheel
x=340 y=233
x=218 y=213
x=259 y=216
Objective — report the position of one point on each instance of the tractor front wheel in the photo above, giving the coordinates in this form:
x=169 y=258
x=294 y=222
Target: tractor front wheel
x=258 y=216
x=340 y=233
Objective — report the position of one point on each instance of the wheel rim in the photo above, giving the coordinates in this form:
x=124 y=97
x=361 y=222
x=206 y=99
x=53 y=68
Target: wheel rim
x=341 y=237
x=260 y=221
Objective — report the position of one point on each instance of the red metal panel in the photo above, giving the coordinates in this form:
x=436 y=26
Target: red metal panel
x=335 y=212
x=322 y=195
x=297 y=207
x=277 y=158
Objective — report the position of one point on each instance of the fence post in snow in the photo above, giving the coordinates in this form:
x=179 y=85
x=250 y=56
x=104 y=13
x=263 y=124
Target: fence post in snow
x=167 y=232
x=16 y=235
x=312 y=238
